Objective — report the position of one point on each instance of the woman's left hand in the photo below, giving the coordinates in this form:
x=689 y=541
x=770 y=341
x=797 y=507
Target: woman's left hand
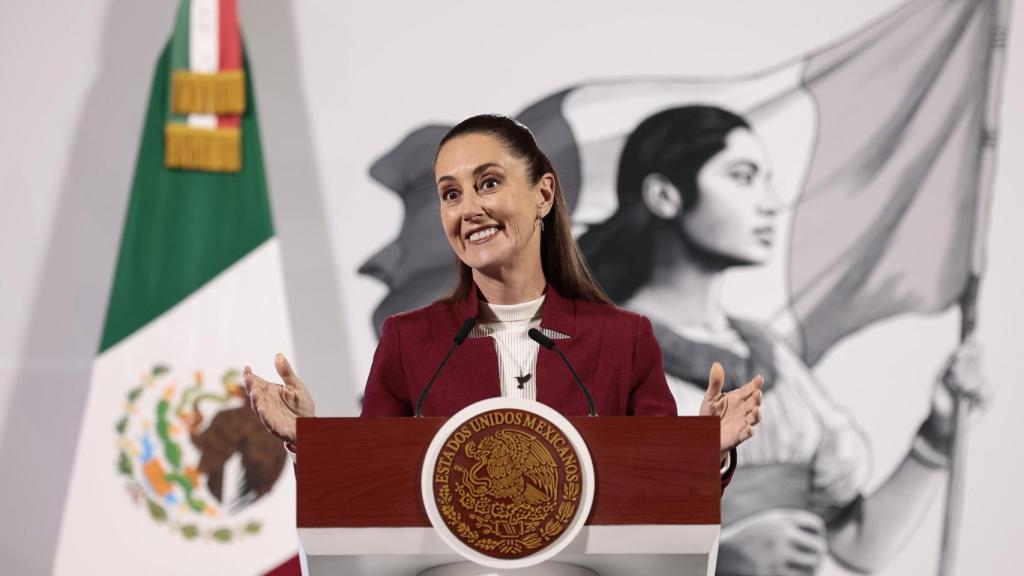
x=739 y=410
x=961 y=377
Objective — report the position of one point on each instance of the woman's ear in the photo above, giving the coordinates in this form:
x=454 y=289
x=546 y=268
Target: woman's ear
x=661 y=196
x=546 y=187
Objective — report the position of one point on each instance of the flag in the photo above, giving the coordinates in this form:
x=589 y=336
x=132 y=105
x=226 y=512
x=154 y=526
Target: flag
x=891 y=218
x=173 y=473
x=880 y=144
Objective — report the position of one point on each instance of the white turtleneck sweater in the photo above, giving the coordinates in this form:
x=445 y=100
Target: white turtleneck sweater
x=508 y=325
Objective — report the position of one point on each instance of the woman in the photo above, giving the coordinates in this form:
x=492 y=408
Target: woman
x=505 y=218
x=694 y=201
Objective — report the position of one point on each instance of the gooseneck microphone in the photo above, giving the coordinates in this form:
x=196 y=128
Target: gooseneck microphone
x=539 y=337
x=460 y=337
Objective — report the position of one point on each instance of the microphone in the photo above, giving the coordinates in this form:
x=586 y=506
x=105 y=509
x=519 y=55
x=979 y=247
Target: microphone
x=539 y=337
x=460 y=337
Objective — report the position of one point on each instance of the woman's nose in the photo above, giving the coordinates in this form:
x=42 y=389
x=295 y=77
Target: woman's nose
x=472 y=207
x=771 y=202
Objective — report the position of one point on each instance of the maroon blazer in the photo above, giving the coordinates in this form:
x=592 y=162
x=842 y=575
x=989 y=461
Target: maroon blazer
x=613 y=351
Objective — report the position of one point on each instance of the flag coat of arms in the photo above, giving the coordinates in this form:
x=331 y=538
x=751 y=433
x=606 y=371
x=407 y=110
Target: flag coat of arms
x=173 y=473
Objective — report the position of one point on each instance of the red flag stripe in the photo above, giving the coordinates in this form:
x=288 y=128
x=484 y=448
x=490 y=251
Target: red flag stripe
x=230 y=50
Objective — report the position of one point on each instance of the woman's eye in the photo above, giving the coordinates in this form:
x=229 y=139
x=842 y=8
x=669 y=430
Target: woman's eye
x=489 y=183
x=743 y=177
x=450 y=195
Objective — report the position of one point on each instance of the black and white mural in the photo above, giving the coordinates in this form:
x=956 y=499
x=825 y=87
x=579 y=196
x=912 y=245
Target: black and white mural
x=765 y=220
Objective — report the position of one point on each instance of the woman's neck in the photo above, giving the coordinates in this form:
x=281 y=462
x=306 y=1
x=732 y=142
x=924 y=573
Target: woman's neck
x=683 y=290
x=511 y=286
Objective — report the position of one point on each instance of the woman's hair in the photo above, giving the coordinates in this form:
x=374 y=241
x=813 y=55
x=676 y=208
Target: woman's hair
x=675 y=143
x=560 y=257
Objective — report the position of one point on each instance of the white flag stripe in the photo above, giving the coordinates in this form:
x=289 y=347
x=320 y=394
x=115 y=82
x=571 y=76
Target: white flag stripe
x=239 y=317
x=204 y=49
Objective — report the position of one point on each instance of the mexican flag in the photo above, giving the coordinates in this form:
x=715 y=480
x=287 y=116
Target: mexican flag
x=173 y=474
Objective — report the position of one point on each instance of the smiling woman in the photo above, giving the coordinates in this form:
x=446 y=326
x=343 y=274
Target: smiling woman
x=496 y=162
x=504 y=215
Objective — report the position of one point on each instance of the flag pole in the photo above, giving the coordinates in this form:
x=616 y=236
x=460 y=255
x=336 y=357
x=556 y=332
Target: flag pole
x=969 y=297
x=958 y=444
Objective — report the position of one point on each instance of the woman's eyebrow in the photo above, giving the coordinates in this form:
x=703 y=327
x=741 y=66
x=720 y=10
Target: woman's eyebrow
x=476 y=172
x=484 y=167
x=745 y=164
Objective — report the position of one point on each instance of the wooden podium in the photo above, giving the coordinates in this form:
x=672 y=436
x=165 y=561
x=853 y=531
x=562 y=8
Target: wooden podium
x=655 y=508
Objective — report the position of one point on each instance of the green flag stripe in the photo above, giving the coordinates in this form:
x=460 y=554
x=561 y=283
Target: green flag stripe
x=183 y=227
x=179 y=49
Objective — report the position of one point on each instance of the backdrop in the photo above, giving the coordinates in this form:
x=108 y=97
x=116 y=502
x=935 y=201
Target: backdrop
x=343 y=87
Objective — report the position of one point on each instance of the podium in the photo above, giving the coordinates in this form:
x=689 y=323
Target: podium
x=655 y=509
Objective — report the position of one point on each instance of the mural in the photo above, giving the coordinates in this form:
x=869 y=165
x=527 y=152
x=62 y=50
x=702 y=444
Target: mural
x=833 y=191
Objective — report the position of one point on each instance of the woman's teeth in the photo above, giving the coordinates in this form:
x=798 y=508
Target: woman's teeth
x=482 y=234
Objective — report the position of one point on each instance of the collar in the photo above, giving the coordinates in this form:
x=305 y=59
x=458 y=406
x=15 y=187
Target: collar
x=524 y=311
x=559 y=313
x=690 y=360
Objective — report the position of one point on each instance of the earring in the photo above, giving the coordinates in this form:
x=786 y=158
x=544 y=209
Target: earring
x=541 y=220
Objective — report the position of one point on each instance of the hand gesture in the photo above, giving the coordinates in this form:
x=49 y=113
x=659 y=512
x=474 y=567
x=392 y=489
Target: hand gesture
x=739 y=410
x=776 y=542
x=279 y=406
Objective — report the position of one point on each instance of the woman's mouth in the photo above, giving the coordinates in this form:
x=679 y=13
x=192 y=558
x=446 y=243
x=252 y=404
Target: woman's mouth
x=481 y=235
x=765 y=235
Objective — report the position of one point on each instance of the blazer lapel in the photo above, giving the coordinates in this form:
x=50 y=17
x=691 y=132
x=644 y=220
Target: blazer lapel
x=555 y=384
x=471 y=374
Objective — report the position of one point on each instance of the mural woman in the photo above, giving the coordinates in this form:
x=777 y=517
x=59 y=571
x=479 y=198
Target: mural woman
x=695 y=200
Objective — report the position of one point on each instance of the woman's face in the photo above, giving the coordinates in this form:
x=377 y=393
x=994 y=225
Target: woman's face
x=736 y=206
x=489 y=207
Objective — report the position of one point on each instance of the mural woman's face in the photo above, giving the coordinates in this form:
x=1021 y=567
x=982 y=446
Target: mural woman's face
x=489 y=207
x=736 y=208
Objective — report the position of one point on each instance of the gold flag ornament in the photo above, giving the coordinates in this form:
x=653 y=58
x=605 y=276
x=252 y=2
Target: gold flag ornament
x=207 y=89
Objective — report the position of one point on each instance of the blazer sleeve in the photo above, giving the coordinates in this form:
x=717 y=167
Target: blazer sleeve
x=649 y=395
x=387 y=389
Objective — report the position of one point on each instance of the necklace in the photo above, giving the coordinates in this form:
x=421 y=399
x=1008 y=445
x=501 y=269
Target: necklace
x=523 y=376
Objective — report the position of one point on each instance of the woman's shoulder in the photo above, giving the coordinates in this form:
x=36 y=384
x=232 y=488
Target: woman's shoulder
x=427 y=317
x=609 y=315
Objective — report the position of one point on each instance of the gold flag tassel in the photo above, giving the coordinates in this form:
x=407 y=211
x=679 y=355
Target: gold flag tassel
x=211 y=150
x=202 y=93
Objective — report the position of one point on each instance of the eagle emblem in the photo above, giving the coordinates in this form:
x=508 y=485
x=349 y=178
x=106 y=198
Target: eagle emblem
x=515 y=466
x=195 y=456
x=507 y=483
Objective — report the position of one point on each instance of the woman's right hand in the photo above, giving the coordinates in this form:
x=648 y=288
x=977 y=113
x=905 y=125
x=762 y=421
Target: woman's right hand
x=777 y=542
x=279 y=406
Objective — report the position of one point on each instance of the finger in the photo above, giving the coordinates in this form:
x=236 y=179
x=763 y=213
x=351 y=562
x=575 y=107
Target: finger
x=804 y=562
x=755 y=384
x=257 y=389
x=284 y=369
x=716 y=381
x=807 y=522
x=754 y=417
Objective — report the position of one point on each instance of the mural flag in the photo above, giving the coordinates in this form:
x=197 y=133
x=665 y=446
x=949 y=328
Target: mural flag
x=893 y=210
x=877 y=144
x=173 y=473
